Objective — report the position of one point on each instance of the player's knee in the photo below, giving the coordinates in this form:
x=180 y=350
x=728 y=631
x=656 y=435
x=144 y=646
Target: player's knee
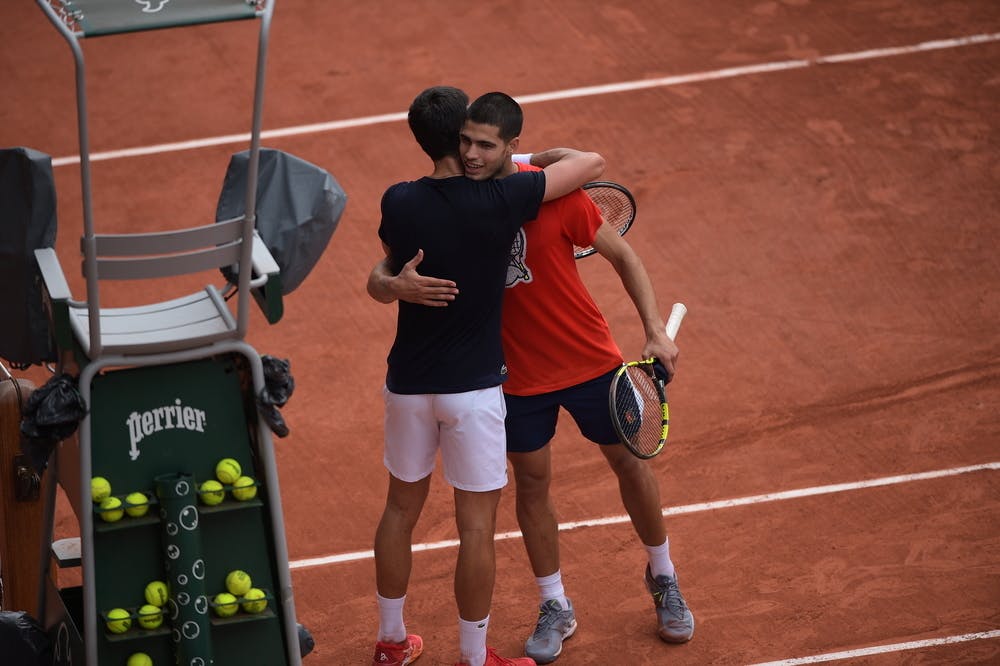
x=402 y=516
x=623 y=463
x=532 y=472
x=531 y=484
x=475 y=529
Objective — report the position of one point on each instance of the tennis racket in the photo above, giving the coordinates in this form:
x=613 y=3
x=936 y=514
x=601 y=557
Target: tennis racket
x=638 y=400
x=617 y=208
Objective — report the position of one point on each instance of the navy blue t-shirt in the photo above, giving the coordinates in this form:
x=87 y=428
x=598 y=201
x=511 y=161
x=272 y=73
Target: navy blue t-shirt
x=465 y=228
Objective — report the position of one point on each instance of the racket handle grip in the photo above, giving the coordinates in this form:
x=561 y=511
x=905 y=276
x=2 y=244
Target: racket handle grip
x=674 y=320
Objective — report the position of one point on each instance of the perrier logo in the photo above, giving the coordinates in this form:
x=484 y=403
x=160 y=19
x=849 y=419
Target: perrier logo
x=168 y=417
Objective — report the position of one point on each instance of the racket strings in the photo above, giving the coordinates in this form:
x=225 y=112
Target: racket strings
x=637 y=409
x=616 y=208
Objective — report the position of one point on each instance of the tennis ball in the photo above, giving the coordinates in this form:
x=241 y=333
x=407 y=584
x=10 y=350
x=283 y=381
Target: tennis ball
x=139 y=659
x=118 y=620
x=238 y=582
x=225 y=604
x=157 y=594
x=211 y=492
x=111 y=510
x=254 y=601
x=244 y=488
x=228 y=470
x=150 y=616
x=136 y=504
x=100 y=489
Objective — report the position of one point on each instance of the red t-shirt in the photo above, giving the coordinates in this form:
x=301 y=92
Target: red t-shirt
x=554 y=335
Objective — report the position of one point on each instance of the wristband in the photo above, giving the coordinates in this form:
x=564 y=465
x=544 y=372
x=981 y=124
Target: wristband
x=522 y=158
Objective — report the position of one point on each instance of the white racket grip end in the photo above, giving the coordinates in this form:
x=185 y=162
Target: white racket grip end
x=674 y=320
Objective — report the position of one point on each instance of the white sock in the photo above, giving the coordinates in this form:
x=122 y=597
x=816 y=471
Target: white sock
x=472 y=641
x=390 y=619
x=659 y=559
x=551 y=587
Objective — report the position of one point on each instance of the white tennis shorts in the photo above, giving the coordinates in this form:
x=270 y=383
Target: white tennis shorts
x=467 y=427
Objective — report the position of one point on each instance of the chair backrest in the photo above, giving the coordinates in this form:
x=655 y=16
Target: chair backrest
x=167 y=254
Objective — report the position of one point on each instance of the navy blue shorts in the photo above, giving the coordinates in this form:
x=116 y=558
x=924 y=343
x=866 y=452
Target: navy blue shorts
x=531 y=420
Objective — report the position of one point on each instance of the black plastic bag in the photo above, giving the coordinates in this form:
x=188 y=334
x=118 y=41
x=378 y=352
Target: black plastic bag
x=23 y=642
x=278 y=381
x=52 y=413
x=278 y=388
x=306 y=640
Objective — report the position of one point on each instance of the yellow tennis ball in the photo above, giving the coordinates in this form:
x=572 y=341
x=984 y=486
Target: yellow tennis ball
x=157 y=594
x=211 y=492
x=225 y=604
x=228 y=470
x=136 y=504
x=238 y=582
x=111 y=509
x=254 y=601
x=244 y=488
x=150 y=616
x=118 y=620
x=100 y=489
x=139 y=659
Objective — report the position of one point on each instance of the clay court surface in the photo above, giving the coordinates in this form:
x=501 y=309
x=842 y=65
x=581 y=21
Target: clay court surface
x=832 y=480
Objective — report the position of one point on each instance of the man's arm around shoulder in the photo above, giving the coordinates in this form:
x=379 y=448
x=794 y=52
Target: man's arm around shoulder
x=567 y=169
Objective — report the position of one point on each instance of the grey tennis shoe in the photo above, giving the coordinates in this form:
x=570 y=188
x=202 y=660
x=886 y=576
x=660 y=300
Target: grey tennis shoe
x=554 y=626
x=676 y=623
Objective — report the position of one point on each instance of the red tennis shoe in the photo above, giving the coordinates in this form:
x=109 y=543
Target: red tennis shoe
x=493 y=659
x=398 y=654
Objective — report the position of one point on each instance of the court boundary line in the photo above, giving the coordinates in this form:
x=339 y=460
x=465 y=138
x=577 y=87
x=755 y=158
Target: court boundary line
x=627 y=86
x=882 y=649
x=340 y=558
x=725 y=504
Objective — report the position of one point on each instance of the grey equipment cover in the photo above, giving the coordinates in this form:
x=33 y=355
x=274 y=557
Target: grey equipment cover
x=298 y=208
x=27 y=223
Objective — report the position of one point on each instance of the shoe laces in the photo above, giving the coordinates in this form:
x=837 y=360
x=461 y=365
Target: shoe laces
x=548 y=615
x=494 y=659
x=668 y=595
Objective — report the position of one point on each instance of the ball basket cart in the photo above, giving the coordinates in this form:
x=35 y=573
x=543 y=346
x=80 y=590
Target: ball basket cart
x=170 y=388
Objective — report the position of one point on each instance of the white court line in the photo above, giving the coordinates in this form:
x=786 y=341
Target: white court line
x=881 y=649
x=673 y=511
x=726 y=73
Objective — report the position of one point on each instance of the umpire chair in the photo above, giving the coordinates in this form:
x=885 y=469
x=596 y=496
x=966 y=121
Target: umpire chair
x=169 y=387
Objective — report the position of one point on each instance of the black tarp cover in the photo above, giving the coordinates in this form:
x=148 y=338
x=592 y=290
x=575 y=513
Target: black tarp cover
x=27 y=222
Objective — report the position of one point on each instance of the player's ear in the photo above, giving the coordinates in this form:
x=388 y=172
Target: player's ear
x=513 y=144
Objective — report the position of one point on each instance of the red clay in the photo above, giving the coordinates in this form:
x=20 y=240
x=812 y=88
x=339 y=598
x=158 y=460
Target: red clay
x=832 y=229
